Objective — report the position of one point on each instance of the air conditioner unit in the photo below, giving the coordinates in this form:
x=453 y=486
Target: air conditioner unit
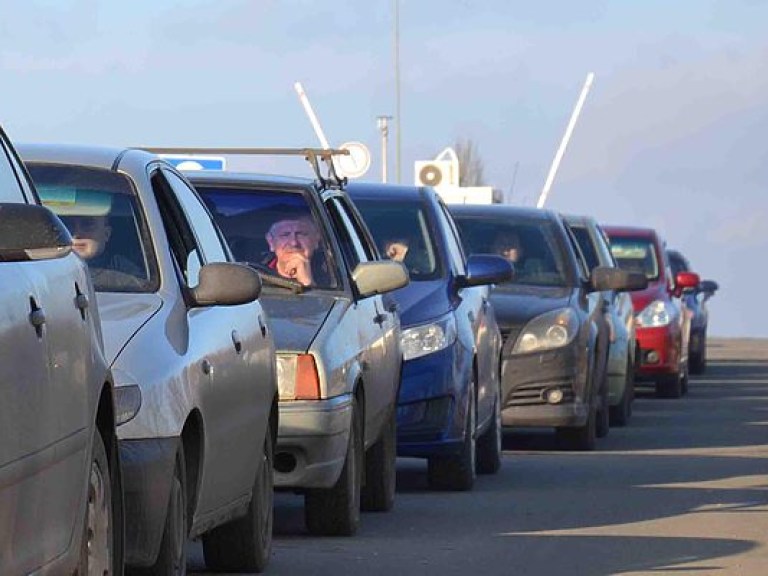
x=435 y=173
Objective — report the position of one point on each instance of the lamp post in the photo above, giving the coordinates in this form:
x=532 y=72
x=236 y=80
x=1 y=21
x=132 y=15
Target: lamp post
x=383 y=124
x=398 y=114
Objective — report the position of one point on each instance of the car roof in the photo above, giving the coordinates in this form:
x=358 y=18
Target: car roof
x=106 y=157
x=630 y=231
x=379 y=189
x=495 y=210
x=224 y=177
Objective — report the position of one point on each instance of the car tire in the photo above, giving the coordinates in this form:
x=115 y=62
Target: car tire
x=621 y=413
x=336 y=511
x=172 y=557
x=489 y=444
x=100 y=531
x=245 y=544
x=581 y=438
x=378 y=492
x=697 y=361
x=669 y=386
x=457 y=473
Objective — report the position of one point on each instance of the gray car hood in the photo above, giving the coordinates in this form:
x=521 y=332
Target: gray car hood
x=122 y=315
x=296 y=319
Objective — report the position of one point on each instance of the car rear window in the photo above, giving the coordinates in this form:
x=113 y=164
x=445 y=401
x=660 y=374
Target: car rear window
x=402 y=232
x=253 y=218
x=102 y=212
x=636 y=255
x=532 y=246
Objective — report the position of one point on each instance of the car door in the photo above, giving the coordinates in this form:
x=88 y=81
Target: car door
x=375 y=324
x=226 y=344
x=45 y=348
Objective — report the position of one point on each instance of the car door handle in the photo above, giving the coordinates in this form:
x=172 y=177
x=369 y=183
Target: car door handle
x=37 y=317
x=206 y=367
x=81 y=301
x=380 y=319
x=262 y=327
x=236 y=341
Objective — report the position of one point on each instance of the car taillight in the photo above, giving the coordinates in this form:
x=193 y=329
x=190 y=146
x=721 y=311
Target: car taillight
x=297 y=377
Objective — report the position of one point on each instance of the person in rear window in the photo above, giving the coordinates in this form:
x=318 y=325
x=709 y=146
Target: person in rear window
x=292 y=243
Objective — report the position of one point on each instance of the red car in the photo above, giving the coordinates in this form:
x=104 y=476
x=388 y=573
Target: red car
x=661 y=318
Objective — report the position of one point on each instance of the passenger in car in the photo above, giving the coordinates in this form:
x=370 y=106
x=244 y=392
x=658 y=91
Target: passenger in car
x=396 y=248
x=508 y=244
x=292 y=243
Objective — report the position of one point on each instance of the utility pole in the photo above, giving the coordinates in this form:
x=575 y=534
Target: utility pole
x=398 y=112
x=383 y=124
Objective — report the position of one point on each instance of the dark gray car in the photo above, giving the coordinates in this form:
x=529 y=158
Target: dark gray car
x=60 y=481
x=190 y=350
x=337 y=339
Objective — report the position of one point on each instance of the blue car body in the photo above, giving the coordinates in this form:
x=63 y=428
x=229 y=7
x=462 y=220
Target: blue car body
x=433 y=401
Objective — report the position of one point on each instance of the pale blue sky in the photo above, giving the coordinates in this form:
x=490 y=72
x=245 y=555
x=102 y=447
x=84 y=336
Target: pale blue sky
x=673 y=134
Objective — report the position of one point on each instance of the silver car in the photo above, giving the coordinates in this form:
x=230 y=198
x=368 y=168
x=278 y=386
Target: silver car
x=190 y=350
x=619 y=316
x=337 y=337
x=60 y=480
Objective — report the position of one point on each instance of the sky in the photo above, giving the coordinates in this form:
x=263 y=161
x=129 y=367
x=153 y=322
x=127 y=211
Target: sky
x=672 y=134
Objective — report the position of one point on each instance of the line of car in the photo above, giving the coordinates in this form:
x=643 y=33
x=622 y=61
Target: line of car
x=235 y=334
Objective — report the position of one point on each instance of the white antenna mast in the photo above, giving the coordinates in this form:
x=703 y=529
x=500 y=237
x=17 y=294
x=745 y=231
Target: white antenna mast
x=311 y=114
x=564 y=143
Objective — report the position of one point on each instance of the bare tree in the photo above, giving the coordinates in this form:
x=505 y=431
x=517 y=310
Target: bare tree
x=471 y=168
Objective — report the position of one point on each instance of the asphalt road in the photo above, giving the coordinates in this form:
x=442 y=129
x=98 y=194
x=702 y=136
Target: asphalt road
x=682 y=490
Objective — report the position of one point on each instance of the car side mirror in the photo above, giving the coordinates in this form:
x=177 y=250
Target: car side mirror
x=226 y=284
x=708 y=288
x=379 y=277
x=31 y=232
x=685 y=280
x=483 y=269
x=607 y=278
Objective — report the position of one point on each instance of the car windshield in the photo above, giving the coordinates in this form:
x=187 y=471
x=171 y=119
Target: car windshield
x=402 y=232
x=101 y=210
x=636 y=255
x=274 y=230
x=532 y=246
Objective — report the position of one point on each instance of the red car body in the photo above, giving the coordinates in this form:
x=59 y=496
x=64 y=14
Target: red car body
x=661 y=318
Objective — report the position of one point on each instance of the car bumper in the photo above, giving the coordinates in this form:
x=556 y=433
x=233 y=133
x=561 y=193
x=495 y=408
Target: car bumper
x=526 y=379
x=659 y=354
x=147 y=472
x=428 y=422
x=312 y=442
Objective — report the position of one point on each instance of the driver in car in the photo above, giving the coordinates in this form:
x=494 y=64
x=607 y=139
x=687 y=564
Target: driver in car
x=292 y=243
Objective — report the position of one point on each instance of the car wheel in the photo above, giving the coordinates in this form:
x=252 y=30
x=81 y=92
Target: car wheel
x=669 y=386
x=698 y=358
x=336 y=511
x=621 y=413
x=579 y=437
x=378 y=492
x=172 y=557
x=98 y=554
x=489 y=444
x=458 y=472
x=245 y=544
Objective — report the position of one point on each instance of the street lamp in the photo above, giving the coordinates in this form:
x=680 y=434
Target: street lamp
x=382 y=122
x=398 y=113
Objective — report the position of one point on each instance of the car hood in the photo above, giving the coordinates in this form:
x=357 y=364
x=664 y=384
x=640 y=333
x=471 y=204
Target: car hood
x=295 y=320
x=655 y=291
x=421 y=301
x=516 y=304
x=122 y=316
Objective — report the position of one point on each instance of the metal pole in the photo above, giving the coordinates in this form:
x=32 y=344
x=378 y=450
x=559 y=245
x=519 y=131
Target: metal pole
x=398 y=113
x=566 y=137
x=383 y=124
x=311 y=113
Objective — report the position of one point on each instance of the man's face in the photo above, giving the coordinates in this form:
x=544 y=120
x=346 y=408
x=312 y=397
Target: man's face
x=288 y=237
x=509 y=248
x=89 y=233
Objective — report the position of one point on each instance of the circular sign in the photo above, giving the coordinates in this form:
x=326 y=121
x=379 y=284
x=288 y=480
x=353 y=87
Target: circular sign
x=354 y=164
x=431 y=175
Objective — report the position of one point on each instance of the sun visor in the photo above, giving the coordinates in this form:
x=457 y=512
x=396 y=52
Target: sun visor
x=67 y=201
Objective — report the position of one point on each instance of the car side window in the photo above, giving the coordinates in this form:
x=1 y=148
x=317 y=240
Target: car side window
x=583 y=266
x=586 y=244
x=455 y=250
x=10 y=185
x=181 y=238
x=204 y=229
x=351 y=245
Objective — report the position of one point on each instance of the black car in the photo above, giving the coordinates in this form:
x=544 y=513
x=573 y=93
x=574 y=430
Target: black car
x=695 y=300
x=553 y=357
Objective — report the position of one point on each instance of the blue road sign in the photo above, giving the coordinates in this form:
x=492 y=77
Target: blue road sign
x=196 y=162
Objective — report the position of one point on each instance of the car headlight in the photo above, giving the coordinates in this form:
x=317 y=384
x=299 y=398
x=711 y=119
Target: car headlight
x=658 y=313
x=421 y=340
x=551 y=330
